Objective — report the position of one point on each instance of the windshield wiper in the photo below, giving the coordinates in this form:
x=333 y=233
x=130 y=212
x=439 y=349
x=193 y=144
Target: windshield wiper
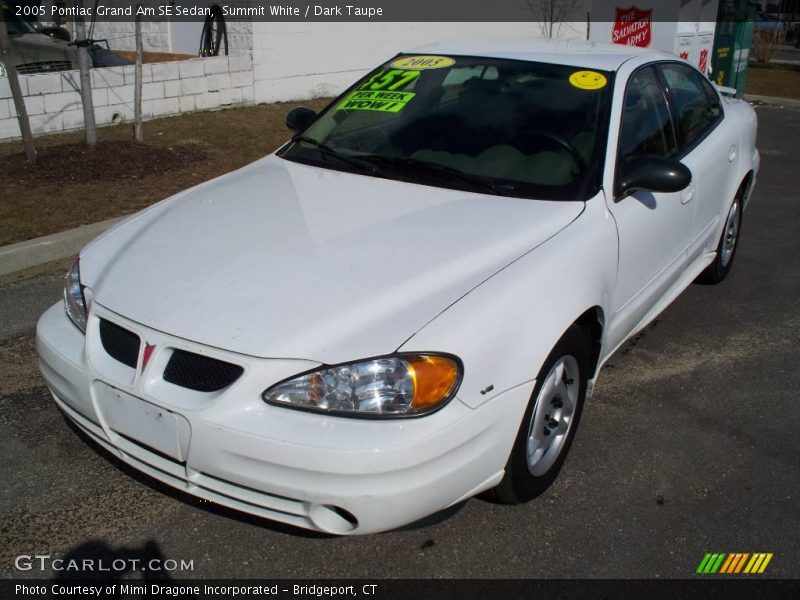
x=326 y=150
x=438 y=170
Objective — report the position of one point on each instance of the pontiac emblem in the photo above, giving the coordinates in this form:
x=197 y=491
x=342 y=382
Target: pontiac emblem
x=148 y=352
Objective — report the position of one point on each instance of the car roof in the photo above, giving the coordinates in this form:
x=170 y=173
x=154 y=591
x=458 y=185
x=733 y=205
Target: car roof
x=571 y=52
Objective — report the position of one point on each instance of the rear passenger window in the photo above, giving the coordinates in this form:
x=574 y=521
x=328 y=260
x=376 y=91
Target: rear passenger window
x=697 y=105
x=646 y=126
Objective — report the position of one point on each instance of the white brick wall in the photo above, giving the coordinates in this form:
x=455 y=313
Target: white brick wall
x=155 y=35
x=53 y=99
x=295 y=61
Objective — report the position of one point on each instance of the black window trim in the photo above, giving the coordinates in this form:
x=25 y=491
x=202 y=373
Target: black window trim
x=683 y=148
x=670 y=112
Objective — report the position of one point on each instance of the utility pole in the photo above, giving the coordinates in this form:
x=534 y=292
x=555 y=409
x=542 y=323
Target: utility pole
x=89 y=125
x=16 y=90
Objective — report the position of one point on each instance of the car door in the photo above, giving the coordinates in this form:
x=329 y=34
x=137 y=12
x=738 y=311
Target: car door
x=705 y=146
x=653 y=228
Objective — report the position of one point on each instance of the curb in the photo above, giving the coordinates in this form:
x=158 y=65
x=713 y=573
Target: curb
x=38 y=251
x=773 y=101
x=776 y=64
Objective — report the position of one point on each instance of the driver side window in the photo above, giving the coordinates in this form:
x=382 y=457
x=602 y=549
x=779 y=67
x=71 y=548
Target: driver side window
x=646 y=125
x=697 y=106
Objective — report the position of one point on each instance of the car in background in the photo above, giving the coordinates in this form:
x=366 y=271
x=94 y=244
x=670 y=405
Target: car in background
x=34 y=52
x=407 y=304
x=48 y=49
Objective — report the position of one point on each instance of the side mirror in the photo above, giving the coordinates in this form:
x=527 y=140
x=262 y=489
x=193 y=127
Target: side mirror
x=300 y=118
x=652 y=174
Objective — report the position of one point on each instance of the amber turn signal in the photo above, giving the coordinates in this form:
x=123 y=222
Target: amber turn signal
x=434 y=378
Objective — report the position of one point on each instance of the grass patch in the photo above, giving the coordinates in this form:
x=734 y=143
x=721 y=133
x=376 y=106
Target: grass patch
x=781 y=83
x=71 y=185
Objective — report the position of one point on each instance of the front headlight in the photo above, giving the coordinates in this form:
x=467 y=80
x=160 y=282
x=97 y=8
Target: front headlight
x=74 y=303
x=392 y=386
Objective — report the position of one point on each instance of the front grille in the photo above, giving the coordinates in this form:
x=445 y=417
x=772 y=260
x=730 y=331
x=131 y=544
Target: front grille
x=121 y=344
x=200 y=373
x=44 y=67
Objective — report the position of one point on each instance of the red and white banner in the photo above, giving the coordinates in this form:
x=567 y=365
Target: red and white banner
x=633 y=27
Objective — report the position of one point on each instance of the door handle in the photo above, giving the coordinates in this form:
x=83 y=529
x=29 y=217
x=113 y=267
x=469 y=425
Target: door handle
x=687 y=194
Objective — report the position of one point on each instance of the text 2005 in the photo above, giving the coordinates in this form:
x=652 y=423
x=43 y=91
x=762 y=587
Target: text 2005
x=31 y=11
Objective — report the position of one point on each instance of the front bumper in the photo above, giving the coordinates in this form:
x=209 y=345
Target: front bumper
x=331 y=474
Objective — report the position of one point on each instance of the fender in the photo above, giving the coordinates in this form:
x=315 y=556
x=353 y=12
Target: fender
x=749 y=162
x=504 y=329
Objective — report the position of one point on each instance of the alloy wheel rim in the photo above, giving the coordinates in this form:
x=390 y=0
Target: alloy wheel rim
x=731 y=233
x=553 y=415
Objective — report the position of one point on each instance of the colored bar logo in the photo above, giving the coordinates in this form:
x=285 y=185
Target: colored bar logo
x=734 y=563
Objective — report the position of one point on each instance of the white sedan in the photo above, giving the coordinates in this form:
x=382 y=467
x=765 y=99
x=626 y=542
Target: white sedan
x=407 y=303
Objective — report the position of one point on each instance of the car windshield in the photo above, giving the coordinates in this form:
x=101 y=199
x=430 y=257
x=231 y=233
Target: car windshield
x=505 y=127
x=14 y=24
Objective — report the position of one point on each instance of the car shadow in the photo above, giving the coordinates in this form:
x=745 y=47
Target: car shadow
x=646 y=198
x=434 y=519
x=96 y=559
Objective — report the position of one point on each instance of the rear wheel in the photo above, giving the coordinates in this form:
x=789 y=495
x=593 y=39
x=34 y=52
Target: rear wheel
x=550 y=421
x=726 y=248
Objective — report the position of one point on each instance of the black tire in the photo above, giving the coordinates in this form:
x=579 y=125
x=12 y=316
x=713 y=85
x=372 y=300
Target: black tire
x=519 y=484
x=718 y=270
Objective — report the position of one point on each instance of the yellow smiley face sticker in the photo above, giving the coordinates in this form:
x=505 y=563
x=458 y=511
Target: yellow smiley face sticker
x=588 y=80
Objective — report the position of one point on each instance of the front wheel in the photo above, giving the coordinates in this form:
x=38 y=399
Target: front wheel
x=726 y=248
x=550 y=421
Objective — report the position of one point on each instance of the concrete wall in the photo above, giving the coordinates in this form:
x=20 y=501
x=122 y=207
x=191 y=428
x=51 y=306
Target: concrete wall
x=175 y=37
x=53 y=101
x=295 y=61
x=120 y=36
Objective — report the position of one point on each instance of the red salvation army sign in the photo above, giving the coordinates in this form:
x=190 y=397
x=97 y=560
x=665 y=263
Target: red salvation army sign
x=633 y=27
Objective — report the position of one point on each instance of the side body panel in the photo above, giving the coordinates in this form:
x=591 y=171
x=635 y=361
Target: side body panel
x=714 y=165
x=654 y=231
x=745 y=122
x=715 y=181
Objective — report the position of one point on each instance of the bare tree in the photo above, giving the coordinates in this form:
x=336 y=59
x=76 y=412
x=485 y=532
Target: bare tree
x=16 y=90
x=551 y=13
x=89 y=125
x=767 y=43
x=138 y=132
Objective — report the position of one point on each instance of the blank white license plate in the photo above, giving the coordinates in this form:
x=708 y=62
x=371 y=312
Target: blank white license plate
x=141 y=421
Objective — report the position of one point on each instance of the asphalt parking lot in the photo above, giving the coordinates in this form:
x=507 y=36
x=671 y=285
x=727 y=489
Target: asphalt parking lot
x=690 y=445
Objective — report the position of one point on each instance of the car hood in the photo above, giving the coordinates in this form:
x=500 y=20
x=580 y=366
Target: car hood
x=36 y=47
x=286 y=260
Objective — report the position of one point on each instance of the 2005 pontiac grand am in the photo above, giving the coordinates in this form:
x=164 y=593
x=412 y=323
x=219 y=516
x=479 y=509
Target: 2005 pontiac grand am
x=407 y=303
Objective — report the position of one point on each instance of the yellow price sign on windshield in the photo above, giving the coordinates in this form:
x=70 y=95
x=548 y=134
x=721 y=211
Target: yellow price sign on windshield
x=423 y=62
x=390 y=80
x=376 y=100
